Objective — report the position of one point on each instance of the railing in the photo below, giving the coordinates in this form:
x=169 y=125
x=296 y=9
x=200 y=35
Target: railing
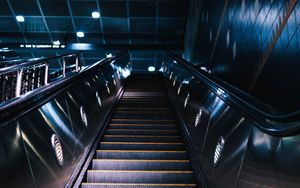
x=19 y=79
x=277 y=124
x=58 y=81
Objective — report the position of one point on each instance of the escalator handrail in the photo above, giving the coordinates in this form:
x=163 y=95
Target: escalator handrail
x=27 y=63
x=14 y=108
x=274 y=124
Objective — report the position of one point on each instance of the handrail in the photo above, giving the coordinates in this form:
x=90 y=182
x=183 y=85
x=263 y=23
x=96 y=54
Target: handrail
x=27 y=75
x=25 y=63
x=22 y=104
x=273 y=124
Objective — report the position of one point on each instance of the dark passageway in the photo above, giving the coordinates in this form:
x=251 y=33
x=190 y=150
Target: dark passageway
x=149 y=93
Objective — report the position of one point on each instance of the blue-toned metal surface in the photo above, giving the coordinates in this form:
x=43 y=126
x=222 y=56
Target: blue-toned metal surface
x=251 y=44
x=250 y=157
x=15 y=170
x=28 y=158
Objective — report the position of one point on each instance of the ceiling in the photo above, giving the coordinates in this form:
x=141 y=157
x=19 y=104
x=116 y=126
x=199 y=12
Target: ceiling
x=142 y=24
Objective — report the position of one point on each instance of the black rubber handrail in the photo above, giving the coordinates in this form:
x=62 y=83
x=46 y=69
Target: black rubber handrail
x=278 y=124
x=16 y=107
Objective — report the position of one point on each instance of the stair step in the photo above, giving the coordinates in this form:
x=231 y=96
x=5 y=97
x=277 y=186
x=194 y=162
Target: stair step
x=141 y=112
x=141 y=154
x=142 y=116
x=143 y=122
x=135 y=185
x=140 y=120
x=140 y=176
x=134 y=164
x=141 y=145
x=145 y=138
x=142 y=126
x=144 y=109
x=142 y=132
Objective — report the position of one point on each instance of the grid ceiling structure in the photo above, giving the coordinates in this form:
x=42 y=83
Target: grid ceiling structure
x=121 y=22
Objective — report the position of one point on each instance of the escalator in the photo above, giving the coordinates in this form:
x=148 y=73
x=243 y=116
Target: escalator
x=142 y=146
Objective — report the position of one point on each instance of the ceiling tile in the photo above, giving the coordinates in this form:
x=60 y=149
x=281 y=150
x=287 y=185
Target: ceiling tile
x=38 y=38
x=33 y=24
x=142 y=9
x=142 y=38
x=83 y=8
x=117 y=25
x=55 y=7
x=25 y=7
x=171 y=26
x=4 y=9
x=60 y=24
x=88 y=25
x=172 y=9
x=117 y=38
x=8 y=24
x=142 y=25
x=113 y=9
x=92 y=38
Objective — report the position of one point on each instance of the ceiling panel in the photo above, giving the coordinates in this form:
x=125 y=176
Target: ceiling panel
x=55 y=7
x=92 y=38
x=143 y=9
x=117 y=38
x=8 y=24
x=117 y=25
x=83 y=8
x=113 y=9
x=61 y=25
x=87 y=25
x=4 y=8
x=38 y=38
x=142 y=25
x=142 y=38
x=25 y=7
x=172 y=8
x=33 y=25
x=171 y=26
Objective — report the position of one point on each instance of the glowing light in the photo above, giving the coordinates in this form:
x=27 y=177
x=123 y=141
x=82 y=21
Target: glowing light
x=57 y=42
x=80 y=34
x=185 y=81
x=109 y=55
x=151 y=69
x=125 y=72
x=20 y=18
x=95 y=14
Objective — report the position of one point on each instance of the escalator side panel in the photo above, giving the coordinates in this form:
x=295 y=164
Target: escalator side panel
x=206 y=118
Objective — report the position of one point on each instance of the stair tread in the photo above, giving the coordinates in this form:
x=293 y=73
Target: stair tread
x=143 y=130
x=144 y=151
x=143 y=160
x=142 y=146
x=142 y=136
x=146 y=171
x=142 y=184
x=145 y=143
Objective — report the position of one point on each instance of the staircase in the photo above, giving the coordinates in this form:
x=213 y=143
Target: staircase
x=142 y=146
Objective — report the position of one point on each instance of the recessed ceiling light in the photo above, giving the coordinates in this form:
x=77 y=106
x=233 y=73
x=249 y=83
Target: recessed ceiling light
x=109 y=55
x=95 y=14
x=57 y=42
x=20 y=18
x=80 y=34
x=151 y=69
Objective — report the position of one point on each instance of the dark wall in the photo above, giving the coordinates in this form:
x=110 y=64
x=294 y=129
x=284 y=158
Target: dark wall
x=253 y=44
